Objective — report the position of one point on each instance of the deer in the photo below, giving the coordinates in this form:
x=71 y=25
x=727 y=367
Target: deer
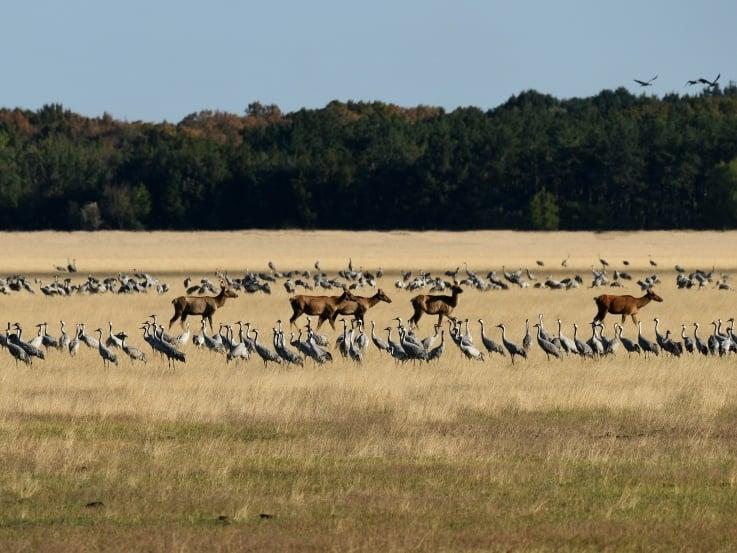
x=358 y=305
x=623 y=305
x=205 y=306
x=321 y=306
x=442 y=306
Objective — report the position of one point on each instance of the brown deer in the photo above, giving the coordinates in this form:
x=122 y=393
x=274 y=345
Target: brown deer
x=321 y=306
x=434 y=305
x=358 y=305
x=200 y=305
x=623 y=305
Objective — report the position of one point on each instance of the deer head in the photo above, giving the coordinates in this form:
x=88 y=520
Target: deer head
x=653 y=296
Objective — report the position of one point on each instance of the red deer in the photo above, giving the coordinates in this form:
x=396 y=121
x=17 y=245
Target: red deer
x=623 y=305
x=434 y=305
x=358 y=305
x=200 y=305
x=321 y=306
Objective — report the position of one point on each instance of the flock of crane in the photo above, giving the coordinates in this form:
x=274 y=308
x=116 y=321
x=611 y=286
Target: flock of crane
x=352 y=342
x=356 y=279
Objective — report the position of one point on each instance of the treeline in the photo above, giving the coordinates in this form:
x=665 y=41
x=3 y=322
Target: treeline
x=612 y=161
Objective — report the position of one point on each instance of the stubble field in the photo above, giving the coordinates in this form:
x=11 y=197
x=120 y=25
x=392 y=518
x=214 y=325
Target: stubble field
x=617 y=454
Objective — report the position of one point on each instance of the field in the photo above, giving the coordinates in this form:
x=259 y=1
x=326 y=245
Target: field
x=618 y=454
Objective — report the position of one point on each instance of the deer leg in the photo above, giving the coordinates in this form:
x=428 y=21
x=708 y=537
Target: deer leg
x=294 y=317
x=332 y=318
x=634 y=318
x=600 y=314
x=209 y=320
x=624 y=317
x=175 y=317
x=415 y=318
x=184 y=318
x=440 y=319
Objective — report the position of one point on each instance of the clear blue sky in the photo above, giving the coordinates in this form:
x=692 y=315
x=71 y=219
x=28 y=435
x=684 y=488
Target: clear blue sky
x=162 y=59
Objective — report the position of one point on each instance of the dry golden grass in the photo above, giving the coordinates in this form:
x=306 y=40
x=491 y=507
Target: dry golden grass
x=621 y=454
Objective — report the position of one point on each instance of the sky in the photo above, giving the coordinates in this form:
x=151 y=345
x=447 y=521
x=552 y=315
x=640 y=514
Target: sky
x=161 y=60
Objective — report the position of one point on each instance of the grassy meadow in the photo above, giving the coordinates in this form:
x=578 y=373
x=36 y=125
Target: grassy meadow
x=618 y=454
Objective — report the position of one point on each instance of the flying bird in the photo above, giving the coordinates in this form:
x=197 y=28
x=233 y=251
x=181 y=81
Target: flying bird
x=702 y=80
x=645 y=83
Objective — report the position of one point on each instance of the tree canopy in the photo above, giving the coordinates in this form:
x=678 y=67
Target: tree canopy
x=610 y=161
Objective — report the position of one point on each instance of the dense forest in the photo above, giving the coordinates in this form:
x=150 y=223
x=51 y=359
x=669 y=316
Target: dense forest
x=611 y=161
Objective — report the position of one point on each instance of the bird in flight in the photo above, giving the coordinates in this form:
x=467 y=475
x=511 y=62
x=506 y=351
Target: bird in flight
x=645 y=83
x=702 y=80
x=710 y=83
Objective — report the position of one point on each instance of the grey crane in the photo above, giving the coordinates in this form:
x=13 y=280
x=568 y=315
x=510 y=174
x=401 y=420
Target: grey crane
x=132 y=352
x=380 y=344
x=527 y=340
x=393 y=346
x=671 y=346
x=643 y=84
x=490 y=345
x=566 y=344
x=106 y=354
x=172 y=354
x=428 y=342
x=318 y=354
x=610 y=346
x=37 y=340
x=724 y=339
x=630 y=346
x=361 y=340
x=511 y=347
x=265 y=353
x=470 y=351
x=239 y=349
x=211 y=343
x=18 y=353
x=113 y=340
x=354 y=350
x=437 y=352
x=701 y=347
x=183 y=338
x=582 y=347
x=199 y=339
x=548 y=347
x=74 y=343
x=47 y=340
x=713 y=342
x=687 y=341
x=646 y=345
x=594 y=343
x=411 y=348
x=659 y=338
x=300 y=345
x=343 y=341
x=291 y=357
x=25 y=346
x=88 y=341
x=64 y=338
x=319 y=339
